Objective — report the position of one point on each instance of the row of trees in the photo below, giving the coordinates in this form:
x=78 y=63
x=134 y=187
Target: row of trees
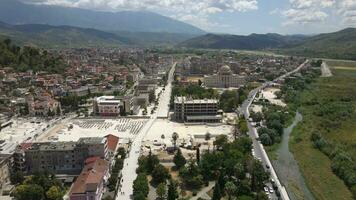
x=276 y=118
x=119 y=163
x=40 y=186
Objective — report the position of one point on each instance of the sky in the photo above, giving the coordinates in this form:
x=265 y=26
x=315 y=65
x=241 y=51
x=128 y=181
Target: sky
x=239 y=16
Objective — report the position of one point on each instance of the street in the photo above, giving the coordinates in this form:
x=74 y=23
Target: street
x=258 y=148
x=131 y=162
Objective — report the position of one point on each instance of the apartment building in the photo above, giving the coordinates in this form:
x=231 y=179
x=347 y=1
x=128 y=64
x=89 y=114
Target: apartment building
x=61 y=157
x=197 y=110
x=107 y=106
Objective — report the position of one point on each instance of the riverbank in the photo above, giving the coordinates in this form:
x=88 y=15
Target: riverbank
x=287 y=167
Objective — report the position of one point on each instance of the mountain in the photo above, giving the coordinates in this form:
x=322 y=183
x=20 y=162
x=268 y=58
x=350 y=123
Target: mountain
x=60 y=36
x=70 y=37
x=17 y=12
x=337 y=45
x=250 y=42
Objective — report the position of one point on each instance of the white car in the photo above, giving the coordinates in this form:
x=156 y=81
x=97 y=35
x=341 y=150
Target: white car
x=271 y=190
x=266 y=190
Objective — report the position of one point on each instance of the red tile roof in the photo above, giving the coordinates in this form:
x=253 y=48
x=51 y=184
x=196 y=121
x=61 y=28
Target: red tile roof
x=91 y=177
x=112 y=142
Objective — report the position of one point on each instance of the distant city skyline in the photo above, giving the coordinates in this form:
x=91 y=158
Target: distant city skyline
x=238 y=16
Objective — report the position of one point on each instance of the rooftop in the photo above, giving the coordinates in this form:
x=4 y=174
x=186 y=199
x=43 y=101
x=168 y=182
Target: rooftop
x=91 y=177
x=194 y=101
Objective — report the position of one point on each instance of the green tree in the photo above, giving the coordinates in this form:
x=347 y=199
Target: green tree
x=16 y=177
x=140 y=186
x=29 y=192
x=220 y=141
x=161 y=191
x=230 y=189
x=175 y=137
x=54 y=193
x=179 y=159
x=160 y=174
x=216 y=193
x=172 y=190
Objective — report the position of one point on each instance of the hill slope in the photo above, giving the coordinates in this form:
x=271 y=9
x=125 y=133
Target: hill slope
x=68 y=36
x=250 y=42
x=338 y=45
x=60 y=36
x=16 y=12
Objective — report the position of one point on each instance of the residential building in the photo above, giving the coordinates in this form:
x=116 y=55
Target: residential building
x=196 y=110
x=90 y=183
x=5 y=163
x=224 y=79
x=107 y=106
x=61 y=157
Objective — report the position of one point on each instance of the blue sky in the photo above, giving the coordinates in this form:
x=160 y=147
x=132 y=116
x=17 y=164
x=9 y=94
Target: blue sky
x=240 y=16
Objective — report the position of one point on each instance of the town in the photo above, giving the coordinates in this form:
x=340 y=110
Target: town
x=97 y=123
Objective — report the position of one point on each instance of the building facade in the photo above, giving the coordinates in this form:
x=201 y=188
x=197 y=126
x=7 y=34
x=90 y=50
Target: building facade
x=224 y=79
x=62 y=157
x=197 y=110
x=90 y=183
x=107 y=106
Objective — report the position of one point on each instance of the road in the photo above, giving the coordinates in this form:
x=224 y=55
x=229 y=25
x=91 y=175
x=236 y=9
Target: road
x=259 y=150
x=325 y=70
x=131 y=162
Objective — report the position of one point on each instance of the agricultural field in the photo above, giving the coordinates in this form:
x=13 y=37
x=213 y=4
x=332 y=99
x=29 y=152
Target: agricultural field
x=324 y=144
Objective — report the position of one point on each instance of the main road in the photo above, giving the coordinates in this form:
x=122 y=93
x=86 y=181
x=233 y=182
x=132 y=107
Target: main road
x=259 y=150
x=128 y=172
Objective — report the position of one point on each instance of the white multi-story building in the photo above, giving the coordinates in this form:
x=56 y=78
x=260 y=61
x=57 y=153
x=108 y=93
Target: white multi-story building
x=224 y=79
x=107 y=106
x=196 y=110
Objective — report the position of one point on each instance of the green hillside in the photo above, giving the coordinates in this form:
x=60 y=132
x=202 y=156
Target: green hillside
x=28 y=58
x=61 y=36
x=338 y=45
x=250 y=42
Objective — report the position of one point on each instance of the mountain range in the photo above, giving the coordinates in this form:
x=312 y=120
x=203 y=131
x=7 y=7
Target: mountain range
x=17 y=12
x=337 y=45
x=73 y=37
x=250 y=42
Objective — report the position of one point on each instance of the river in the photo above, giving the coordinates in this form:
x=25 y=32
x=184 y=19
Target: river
x=287 y=167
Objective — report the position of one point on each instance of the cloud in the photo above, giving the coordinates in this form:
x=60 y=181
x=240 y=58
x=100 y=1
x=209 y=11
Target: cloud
x=347 y=9
x=197 y=12
x=307 y=11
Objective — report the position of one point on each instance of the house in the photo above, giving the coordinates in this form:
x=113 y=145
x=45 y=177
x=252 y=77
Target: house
x=112 y=144
x=90 y=183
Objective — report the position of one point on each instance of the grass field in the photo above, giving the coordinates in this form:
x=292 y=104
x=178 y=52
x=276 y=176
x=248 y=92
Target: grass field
x=315 y=165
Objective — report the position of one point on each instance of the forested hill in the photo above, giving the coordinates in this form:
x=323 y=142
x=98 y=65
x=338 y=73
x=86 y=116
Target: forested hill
x=250 y=42
x=28 y=58
x=337 y=45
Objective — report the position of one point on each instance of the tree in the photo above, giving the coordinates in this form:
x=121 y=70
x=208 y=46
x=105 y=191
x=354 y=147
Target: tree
x=198 y=154
x=216 y=193
x=140 y=187
x=152 y=161
x=207 y=136
x=161 y=191
x=160 y=174
x=175 y=137
x=29 y=192
x=172 y=190
x=16 y=177
x=54 y=193
x=230 y=189
x=266 y=139
x=220 y=141
x=179 y=159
